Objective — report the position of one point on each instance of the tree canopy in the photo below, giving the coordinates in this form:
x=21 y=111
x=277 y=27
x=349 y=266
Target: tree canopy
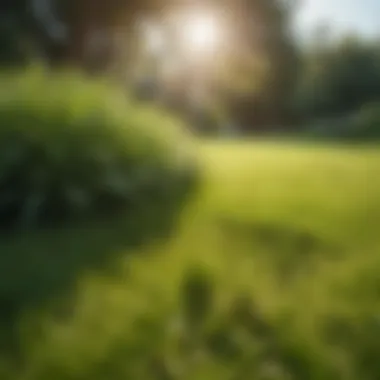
x=259 y=68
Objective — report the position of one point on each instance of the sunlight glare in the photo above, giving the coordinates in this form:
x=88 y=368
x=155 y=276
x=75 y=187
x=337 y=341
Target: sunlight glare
x=200 y=34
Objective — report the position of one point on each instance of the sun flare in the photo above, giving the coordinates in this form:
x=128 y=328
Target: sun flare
x=200 y=33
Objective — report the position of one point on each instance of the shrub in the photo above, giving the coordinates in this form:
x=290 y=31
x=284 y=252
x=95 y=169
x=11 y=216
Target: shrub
x=74 y=153
x=71 y=150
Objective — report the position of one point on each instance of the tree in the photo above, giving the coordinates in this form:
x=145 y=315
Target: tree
x=71 y=31
x=261 y=55
x=265 y=40
x=339 y=78
x=14 y=23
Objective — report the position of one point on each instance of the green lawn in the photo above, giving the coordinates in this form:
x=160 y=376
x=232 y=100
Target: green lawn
x=282 y=247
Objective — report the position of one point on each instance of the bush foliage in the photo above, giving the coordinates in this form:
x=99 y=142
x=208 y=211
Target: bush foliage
x=71 y=150
x=77 y=155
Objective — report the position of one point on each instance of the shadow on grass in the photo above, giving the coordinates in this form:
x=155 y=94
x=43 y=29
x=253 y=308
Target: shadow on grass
x=37 y=268
x=290 y=249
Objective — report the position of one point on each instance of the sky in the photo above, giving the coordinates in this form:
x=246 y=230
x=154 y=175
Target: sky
x=362 y=16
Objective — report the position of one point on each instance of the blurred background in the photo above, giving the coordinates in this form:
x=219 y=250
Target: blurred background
x=189 y=190
x=226 y=67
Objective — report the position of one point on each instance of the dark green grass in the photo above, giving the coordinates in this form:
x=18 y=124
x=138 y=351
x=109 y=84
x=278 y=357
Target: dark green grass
x=281 y=256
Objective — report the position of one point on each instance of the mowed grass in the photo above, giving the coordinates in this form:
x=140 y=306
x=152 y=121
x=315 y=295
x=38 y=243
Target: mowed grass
x=290 y=231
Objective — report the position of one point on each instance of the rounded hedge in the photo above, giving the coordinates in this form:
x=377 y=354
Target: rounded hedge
x=71 y=149
x=84 y=171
